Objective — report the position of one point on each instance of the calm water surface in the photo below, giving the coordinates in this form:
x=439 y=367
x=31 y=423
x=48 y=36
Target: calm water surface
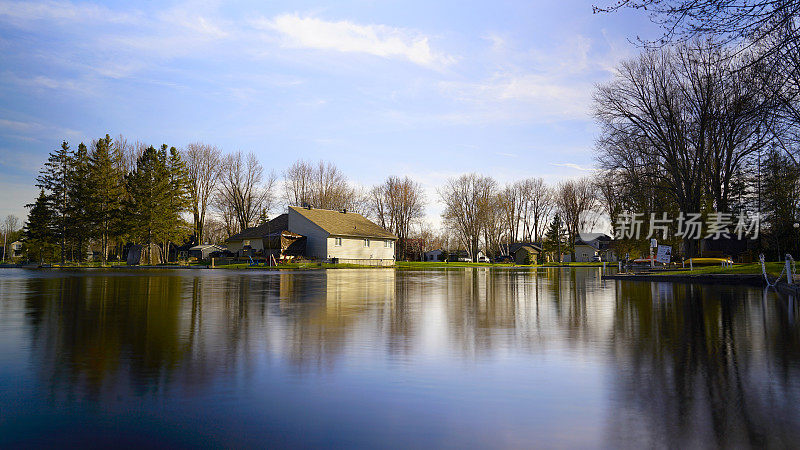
x=384 y=358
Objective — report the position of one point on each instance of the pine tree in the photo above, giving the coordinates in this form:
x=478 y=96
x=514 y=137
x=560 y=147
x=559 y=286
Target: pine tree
x=554 y=238
x=53 y=180
x=107 y=192
x=149 y=199
x=39 y=231
x=80 y=200
x=175 y=227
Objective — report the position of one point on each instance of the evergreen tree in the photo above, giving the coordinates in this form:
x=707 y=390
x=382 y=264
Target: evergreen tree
x=149 y=203
x=175 y=226
x=39 y=231
x=554 y=242
x=53 y=180
x=80 y=201
x=107 y=192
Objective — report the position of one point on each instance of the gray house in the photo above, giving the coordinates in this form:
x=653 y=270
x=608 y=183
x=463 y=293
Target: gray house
x=342 y=236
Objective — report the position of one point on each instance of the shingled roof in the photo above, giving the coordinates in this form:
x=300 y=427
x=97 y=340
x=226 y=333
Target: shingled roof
x=276 y=225
x=339 y=223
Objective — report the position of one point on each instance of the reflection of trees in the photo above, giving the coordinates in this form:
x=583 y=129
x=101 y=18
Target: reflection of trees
x=689 y=365
x=702 y=365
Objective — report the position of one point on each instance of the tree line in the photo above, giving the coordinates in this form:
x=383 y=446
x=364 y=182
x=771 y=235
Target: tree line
x=705 y=120
x=114 y=193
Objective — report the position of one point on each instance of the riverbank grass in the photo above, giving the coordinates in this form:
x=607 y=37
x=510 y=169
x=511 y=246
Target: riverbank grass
x=773 y=270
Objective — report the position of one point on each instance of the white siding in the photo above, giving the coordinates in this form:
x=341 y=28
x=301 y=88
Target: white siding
x=584 y=253
x=353 y=249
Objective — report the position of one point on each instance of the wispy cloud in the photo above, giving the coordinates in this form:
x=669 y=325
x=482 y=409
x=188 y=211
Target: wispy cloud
x=573 y=166
x=349 y=37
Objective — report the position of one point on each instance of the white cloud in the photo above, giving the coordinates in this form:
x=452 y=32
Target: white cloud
x=573 y=166
x=28 y=11
x=346 y=36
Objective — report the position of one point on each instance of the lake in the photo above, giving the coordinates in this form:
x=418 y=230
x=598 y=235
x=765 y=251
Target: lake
x=456 y=358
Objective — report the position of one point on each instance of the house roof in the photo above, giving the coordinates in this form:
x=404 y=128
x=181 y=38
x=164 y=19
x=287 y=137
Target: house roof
x=278 y=224
x=594 y=240
x=513 y=248
x=339 y=223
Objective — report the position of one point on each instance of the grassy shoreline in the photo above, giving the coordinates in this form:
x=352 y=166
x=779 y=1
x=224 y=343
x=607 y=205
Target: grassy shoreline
x=311 y=265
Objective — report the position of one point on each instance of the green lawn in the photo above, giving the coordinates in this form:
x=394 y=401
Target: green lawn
x=297 y=266
x=773 y=269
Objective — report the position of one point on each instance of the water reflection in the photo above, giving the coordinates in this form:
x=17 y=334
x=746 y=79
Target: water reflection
x=527 y=352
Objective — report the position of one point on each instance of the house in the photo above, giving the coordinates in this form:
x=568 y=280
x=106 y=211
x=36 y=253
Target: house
x=433 y=255
x=464 y=256
x=525 y=252
x=14 y=250
x=272 y=238
x=341 y=236
x=204 y=251
x=590 y=245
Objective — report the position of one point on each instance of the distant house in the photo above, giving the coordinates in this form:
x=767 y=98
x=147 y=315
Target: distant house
x=525 y=252
x=204 y=251
x=590 y=245
x=272 y=238
x=342 y=236
x=433 y=255
x=15 y=250
x=464 y=256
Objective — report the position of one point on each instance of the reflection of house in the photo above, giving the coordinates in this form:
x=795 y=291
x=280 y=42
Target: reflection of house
x=272 y=237
x=590 y=245
x=525 y=252
x=205 y=251
x=342 y=236
x=433 y=255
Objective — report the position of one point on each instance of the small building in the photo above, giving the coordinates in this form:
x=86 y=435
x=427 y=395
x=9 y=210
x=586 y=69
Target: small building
x=591 y=245
x=343 y=237
x=205 y=251
x=525 y=252
x=433 y=255
x=15 y=250
x=272 y=238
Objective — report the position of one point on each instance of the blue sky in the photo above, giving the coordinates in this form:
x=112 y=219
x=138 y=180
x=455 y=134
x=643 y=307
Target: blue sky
x=425 y=89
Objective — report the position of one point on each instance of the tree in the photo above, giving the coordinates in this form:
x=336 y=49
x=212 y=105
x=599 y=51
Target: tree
x=107 y=185
x=149 y=204
x=511 y=205
x=80 y=196
x=537 y=202
x=576 y=200
x=683 y=122
x=726 y=21
x=320 y=185
x=244 y=190
x=54 y=180
x=397 y=203
x=40 y=229
x=553 y=238
x=10 y=225
x=781 y=201
x=203 y=164
x=467 y=201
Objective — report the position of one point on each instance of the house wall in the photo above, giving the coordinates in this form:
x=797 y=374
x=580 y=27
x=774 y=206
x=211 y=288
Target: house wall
x=237 y=246
x=353 y=250
x=316 y=237
x=434 y=255
x=584 y=253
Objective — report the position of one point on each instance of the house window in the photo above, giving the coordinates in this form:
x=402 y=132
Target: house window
x=386 y=244
x=366 y=242
x=337 y=242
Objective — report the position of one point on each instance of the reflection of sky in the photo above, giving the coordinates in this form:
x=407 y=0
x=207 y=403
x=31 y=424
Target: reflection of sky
x=464 y=358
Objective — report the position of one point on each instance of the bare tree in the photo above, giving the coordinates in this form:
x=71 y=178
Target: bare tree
x=203 y=164
x=10 y=225
x=467 y=201
x=320 y=185
x=511 y=205
x=396 y=204
x=245 y=193
x=538 y=205
x=576 y=200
